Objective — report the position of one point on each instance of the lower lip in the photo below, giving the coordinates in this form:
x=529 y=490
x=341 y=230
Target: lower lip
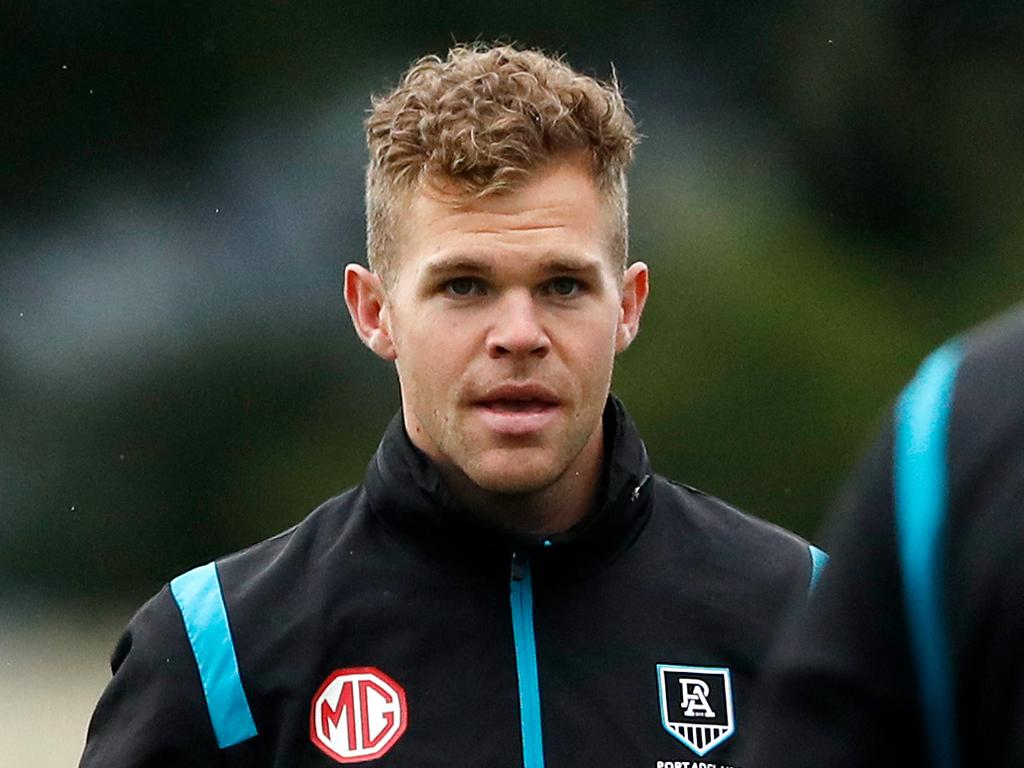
x=508 y=422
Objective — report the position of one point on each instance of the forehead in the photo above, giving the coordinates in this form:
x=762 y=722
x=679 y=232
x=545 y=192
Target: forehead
x=559 y=211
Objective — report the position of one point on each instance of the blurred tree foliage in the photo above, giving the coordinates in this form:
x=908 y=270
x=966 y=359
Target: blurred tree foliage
x=826 y=191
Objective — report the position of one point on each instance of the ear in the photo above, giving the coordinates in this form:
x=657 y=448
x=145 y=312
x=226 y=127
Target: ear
x=635 y=286
x=365 y=299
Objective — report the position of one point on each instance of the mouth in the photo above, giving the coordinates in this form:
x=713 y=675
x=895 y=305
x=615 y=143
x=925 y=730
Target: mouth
x=516 y=406
x=519 y=398
x=518 y=409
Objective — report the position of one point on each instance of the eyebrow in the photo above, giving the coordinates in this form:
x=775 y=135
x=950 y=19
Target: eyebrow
x=562 y=264
x=456 y=264
x=481 y=265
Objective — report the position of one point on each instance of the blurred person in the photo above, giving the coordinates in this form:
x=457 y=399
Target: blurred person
x=909 y=651
x=510 y=585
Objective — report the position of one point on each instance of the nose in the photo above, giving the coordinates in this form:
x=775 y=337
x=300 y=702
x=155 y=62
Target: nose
x=517 y=331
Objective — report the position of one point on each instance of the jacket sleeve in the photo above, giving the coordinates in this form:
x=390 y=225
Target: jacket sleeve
x=1005 y=672
x=153 y=712
x=838 y=690
x=989 y=623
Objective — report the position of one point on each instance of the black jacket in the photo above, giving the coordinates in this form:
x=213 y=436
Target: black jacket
x=910 y=650
x=391 y=627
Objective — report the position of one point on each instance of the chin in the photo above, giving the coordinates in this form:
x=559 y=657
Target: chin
x=513 y=476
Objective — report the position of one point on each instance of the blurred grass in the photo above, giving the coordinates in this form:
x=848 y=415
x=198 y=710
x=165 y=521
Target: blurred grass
x=52 y=670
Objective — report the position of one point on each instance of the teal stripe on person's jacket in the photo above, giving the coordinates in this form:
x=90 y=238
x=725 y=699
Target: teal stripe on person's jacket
x=199 y=598
x=920 y=486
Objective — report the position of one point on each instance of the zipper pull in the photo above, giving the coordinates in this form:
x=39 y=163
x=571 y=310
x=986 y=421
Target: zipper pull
x=636 y=491
x=518 y=566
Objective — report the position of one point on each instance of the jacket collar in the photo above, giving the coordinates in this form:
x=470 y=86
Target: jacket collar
x=406 y=490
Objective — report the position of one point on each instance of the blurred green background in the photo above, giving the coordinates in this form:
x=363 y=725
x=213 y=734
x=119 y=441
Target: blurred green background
x=825 y=192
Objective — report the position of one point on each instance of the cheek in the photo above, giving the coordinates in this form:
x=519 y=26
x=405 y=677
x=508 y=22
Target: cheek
x=593 y=344
x=590 y=359
x=431 y=355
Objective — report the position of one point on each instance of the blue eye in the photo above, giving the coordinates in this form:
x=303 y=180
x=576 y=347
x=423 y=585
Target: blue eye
x=565 y=286
x=463 y=286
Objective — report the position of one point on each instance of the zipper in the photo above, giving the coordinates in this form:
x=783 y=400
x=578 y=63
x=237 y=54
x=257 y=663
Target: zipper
x=526 y=661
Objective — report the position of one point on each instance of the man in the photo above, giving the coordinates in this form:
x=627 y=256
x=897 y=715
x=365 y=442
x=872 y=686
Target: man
x=910 y=649
x=510 y=585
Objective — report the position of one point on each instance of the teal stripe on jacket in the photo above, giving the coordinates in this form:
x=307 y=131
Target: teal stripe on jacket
x=199 y=598
x=818 y=562
x=921 y=487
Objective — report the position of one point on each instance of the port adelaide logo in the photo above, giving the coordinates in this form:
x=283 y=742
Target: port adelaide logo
x=696 y=705
x=358 y=714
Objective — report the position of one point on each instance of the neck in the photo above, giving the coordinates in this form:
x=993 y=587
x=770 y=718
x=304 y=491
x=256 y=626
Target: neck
x=545 y=511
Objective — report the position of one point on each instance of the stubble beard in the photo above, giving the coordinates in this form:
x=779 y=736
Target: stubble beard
x=511 y=495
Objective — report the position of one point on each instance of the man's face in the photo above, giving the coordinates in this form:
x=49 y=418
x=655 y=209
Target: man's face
x=503 y=316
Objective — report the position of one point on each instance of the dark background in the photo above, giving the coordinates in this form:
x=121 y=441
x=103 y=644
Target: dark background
x=825 y=192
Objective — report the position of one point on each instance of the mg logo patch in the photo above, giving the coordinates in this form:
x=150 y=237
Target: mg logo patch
x=696 y=705
x=358 y=714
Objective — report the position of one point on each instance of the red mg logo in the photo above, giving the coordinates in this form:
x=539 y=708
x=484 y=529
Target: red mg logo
x=358 y=714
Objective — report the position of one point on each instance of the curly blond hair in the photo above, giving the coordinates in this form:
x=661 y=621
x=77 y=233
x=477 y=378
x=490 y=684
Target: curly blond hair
x=483 y=119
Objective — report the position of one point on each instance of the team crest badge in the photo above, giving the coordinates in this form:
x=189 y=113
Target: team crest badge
x=357 y=715
x=696 y=705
